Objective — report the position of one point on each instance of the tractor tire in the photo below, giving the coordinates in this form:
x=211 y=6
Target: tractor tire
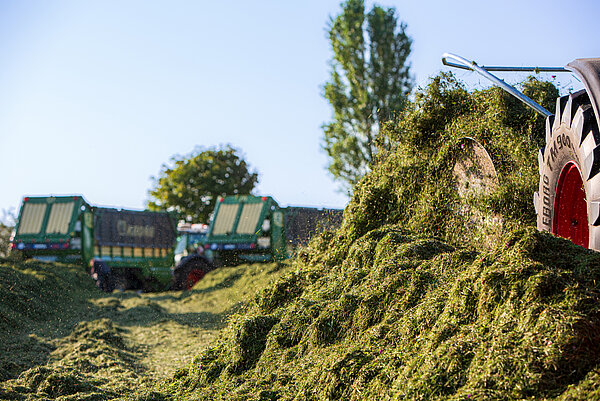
x=568 y=200
x=189 y=272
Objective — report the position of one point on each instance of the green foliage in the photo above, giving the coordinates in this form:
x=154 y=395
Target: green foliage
x=369 y=84
x=191 y=184
x=7 y=223
x=5 y=232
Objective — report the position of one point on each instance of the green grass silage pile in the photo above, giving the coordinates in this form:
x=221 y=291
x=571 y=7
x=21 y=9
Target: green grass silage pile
x=404 y=317
x=63 y=339
x=45 y=353
x=35 y=294
x=409 y=299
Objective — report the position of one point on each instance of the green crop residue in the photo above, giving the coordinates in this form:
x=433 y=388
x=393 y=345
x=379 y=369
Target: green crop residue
x=437 y=286
x=426 y=321
x=63 y=339
x=425 y=293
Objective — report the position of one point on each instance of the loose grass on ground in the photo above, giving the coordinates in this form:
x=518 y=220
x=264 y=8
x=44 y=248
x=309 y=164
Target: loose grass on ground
x=64 y=339
x=406 y=317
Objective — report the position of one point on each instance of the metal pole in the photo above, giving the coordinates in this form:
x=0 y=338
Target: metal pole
x=465 y=64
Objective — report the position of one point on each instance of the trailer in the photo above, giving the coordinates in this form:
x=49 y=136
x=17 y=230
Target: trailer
x=128 y=249
x=248 y=228
x=124 y=249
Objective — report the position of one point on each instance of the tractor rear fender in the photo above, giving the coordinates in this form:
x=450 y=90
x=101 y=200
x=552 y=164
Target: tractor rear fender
x=588 y=71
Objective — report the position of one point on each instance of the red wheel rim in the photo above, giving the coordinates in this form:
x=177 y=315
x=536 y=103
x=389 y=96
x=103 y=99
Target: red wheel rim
x=570 y=207
x=193 y=277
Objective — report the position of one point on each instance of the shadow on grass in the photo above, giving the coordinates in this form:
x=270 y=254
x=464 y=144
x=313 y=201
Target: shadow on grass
x=145 y=315
x=18 y=354
x=228 y=282
x=33 y=347
x=28 y=340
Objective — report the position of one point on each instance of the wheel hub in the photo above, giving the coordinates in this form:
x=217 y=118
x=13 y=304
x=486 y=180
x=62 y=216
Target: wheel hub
x=193 y=277
x=570 y=207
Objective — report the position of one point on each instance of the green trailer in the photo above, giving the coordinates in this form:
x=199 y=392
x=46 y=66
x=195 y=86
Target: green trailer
x=133 y=249
x=248 y=228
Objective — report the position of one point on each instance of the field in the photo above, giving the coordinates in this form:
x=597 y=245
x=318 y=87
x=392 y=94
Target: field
x=427 y=291
x=401 y=317
x=62 y=337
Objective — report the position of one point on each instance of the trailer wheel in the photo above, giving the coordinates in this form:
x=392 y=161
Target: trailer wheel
x=189 y=272
x=103 y=276
x=568 y=201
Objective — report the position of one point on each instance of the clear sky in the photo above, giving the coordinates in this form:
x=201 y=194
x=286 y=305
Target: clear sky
x=96 y=95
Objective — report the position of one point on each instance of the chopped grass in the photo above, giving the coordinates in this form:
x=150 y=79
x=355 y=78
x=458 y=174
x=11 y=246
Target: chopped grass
x=422 y=294
x=82 y=344
x=410 y=299
x=427 y=322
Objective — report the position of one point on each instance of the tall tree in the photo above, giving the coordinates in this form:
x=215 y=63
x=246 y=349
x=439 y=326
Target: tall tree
x=370 y=82
x=192 y=184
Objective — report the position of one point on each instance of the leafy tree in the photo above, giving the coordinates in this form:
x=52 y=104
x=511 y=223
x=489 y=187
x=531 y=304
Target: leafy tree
x=370 y=82
x=7 y=224
x=5 y=232
x=192 y=184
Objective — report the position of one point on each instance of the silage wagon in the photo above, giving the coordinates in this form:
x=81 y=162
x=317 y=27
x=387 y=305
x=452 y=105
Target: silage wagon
x=248 y=228
x=128 y=249
x=125 y=249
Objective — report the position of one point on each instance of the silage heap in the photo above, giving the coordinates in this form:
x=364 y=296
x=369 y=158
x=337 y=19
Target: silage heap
x=411 y=298
x=47 y=350
x=63 y=339
x=36 y=294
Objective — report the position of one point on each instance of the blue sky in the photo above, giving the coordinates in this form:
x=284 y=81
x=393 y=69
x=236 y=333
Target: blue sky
x=96 y=95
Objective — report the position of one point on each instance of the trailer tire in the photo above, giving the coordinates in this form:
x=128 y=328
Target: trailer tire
x=189 y=272
x=568 y=199
x=102 y=275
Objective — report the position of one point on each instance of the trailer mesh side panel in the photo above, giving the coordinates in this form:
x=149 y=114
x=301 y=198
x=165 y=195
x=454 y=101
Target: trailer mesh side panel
x=301 y=223
x=225 y=219
x=249 y=218
x=60 y=217
x=135 y=229
x=32 y=218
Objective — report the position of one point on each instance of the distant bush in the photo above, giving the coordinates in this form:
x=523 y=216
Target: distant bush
x=7 y=223
x=5 y=232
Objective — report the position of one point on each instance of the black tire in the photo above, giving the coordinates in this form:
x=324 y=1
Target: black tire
x=568 y=200
x=103 y=276
x=127 y=279
x=105 y=282
x=189 y=272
